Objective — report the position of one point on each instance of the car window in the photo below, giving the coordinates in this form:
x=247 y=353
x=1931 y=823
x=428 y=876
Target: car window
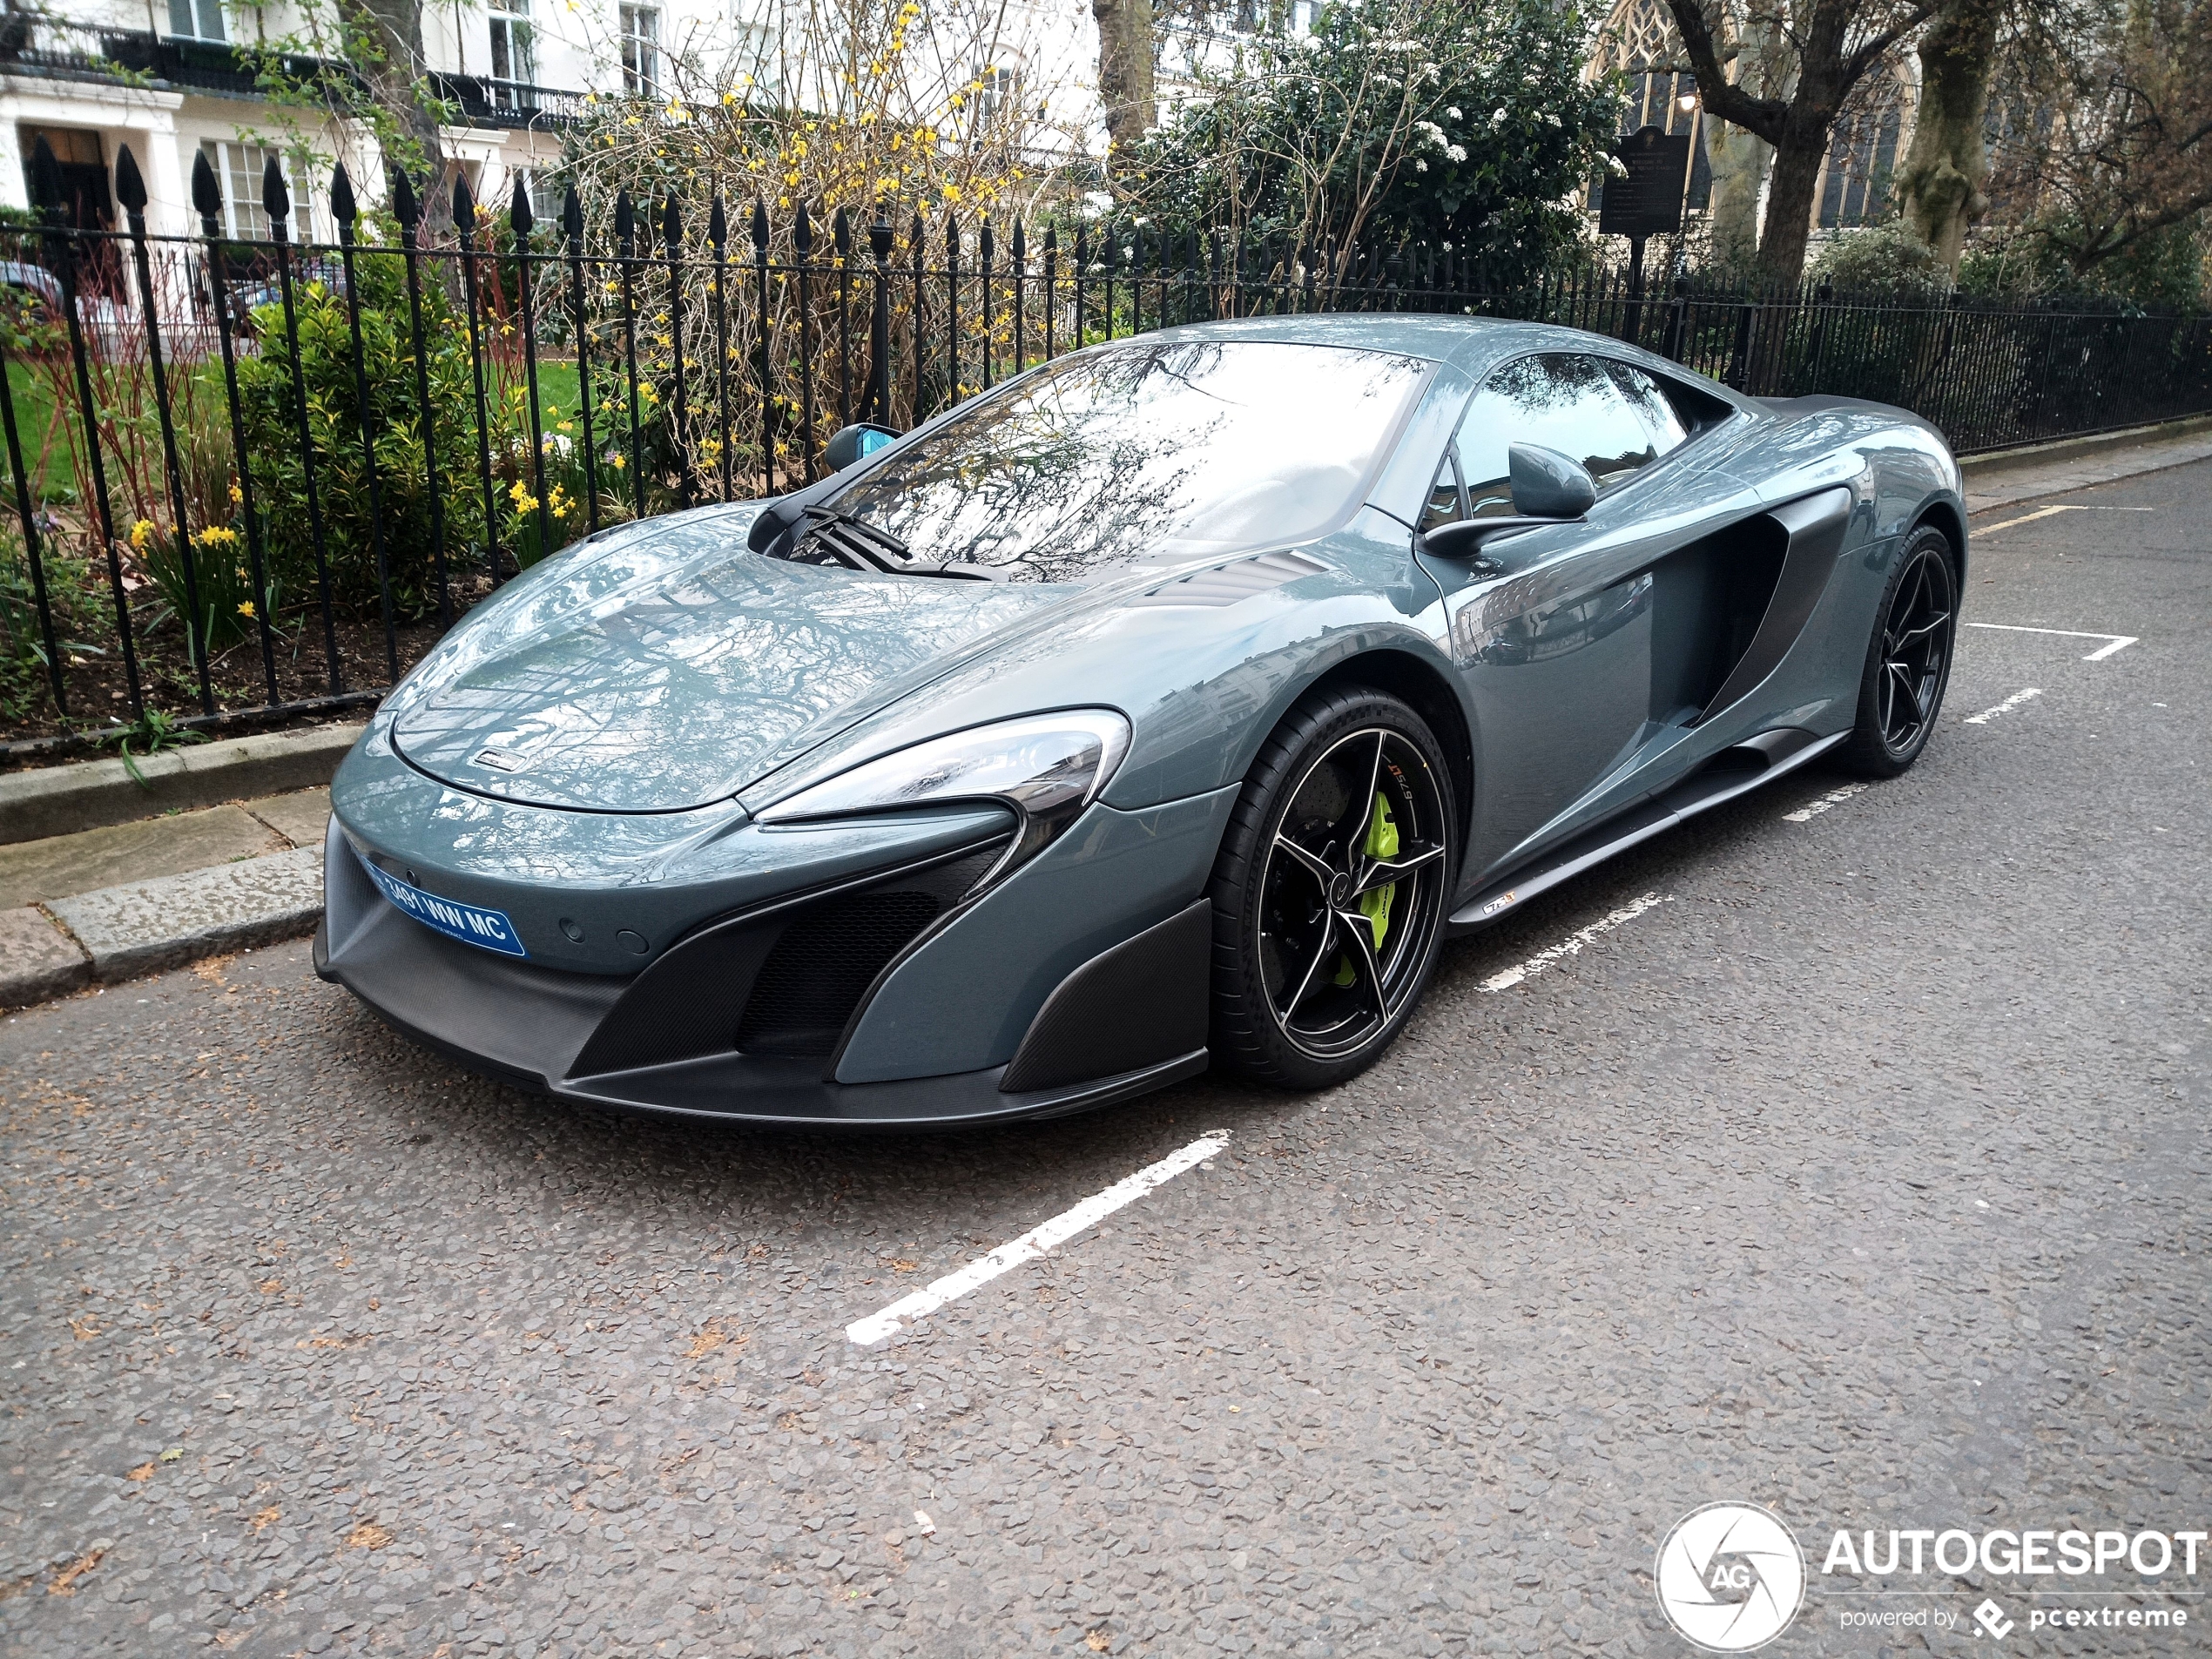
x=1144 y=452
x=1653 y=406
x=1444 y=502
x=1564 y=401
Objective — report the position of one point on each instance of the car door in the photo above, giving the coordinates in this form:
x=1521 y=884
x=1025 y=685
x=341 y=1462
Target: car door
x=1574 y=685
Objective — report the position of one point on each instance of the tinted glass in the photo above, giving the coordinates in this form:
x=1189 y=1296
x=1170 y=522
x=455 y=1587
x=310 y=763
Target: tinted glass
x=1144 y=451
x=1653 y=406
x=1563 y=401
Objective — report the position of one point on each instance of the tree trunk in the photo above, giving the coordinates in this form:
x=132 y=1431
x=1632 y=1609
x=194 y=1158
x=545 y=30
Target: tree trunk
x=1740 y=160
x=1125 y=70
x=1940 y=183
x=391 y=65
x=1788 y=202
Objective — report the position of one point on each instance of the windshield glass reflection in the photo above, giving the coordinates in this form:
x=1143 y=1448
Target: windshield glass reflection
x=1144 y=452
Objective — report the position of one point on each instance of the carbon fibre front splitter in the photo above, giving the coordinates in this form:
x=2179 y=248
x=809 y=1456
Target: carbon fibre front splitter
x=524 y=1026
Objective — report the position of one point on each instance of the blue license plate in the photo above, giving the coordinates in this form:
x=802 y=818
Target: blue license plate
x=471 y=924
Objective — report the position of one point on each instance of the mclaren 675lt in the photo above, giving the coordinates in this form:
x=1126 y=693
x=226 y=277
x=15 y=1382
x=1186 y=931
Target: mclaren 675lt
x=1167 y=706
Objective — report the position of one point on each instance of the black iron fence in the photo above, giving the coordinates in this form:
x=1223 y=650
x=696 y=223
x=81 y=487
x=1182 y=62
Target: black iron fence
x=257 y=475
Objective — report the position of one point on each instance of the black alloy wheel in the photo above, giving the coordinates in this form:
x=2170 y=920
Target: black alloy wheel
x=1908 y=661
x=1330 y=892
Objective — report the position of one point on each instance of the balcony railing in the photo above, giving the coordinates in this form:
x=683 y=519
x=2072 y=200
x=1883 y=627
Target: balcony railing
x=72 y=52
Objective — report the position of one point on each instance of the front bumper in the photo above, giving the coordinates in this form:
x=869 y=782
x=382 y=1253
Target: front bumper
x=1124 y=1019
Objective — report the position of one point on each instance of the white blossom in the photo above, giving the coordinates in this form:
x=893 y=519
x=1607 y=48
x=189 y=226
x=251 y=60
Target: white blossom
x=1420 y=166
x=1455 y=113
x=1458 y=153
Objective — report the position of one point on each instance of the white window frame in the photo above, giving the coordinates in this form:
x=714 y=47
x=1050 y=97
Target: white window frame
x=641 y=50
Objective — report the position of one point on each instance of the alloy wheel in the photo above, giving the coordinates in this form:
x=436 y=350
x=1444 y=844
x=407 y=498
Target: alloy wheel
x=1916 y=650
x=1352 y=893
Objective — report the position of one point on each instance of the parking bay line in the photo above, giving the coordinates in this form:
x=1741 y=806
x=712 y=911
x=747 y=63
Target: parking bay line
x=2006 y=707
x=1572 y=943
x=2113 y=643
x=1033 y=1244
x=1811 y=810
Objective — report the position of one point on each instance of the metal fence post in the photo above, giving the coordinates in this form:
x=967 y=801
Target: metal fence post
x=341 y=209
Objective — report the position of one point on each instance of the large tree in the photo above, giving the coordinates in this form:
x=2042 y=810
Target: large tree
x=2126 y=156
x=1830 y=46
x=1940 y=185
x=1125 y=69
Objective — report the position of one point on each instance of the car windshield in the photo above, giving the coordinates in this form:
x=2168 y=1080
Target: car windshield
x=1142 y=453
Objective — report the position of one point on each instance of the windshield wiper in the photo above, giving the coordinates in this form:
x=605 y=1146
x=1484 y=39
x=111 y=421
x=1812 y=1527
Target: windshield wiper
x=859 y=545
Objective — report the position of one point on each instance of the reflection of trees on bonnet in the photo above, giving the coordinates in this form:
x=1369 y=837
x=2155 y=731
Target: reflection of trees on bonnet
x=1156 y=451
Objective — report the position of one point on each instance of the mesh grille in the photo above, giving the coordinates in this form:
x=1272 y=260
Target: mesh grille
x=822 y=966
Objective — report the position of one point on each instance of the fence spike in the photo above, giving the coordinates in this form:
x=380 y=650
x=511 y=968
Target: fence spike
x=625 y=222
x=130 y=188
x=572 y=219
x=760 y=225
x=717 y=225
x=841 y=235
x=405 y=208
x=464 y=204
x=1020 y=244
x=518 y=212
x=802 y=234
x=206 y=194
x=342 y=202
x=276 y=196
x=671 y=225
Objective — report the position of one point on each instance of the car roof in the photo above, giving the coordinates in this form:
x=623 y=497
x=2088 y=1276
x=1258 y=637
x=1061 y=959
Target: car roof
x=1470 y=344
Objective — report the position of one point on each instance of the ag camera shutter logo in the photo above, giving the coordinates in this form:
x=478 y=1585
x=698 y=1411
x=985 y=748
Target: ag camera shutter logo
x=1731 y=1577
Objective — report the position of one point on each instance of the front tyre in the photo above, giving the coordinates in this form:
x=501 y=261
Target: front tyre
x=1330 y=891
x=1908 y=660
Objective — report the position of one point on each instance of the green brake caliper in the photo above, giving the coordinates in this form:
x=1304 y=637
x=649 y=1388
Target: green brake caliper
x=1381 y=843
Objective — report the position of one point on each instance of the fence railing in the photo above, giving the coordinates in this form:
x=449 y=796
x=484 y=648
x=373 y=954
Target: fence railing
x=259 y=476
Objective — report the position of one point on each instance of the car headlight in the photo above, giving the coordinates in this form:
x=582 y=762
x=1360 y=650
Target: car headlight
x=1046 y=767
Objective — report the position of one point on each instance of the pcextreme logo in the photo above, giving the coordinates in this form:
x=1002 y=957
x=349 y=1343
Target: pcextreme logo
x=1731 y=1577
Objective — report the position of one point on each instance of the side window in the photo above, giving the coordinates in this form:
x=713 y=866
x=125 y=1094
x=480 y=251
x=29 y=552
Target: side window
x=1653 y=406
x=1563 y=400
x=1444 y=502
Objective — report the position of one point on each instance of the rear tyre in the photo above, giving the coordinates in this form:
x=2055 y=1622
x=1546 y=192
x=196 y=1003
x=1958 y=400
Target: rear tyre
x=1330 y=891
x=1908 y=660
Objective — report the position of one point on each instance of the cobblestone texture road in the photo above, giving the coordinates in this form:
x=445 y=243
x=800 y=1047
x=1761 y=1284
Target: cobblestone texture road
x=1863 y=1174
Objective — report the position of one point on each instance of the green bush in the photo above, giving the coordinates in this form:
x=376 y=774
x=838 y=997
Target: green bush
x=1882 y=261
x=398 y=424
x=1420 y=120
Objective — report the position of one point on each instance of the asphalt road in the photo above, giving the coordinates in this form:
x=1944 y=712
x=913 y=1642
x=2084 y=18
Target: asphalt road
x=1863 y=1175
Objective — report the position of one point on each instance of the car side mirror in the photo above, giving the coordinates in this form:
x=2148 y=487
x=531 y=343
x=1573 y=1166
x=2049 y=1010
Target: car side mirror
x=1548 y=488
x=1546 y=484
x=855 y=442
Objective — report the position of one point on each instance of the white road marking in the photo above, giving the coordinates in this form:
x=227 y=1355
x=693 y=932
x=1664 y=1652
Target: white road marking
x=2029 y=519
x=2063 y=507
x=2113 y=643
x=1033 y=1244
x=2006 y=707
x=1807 y=813
x=1572 y=943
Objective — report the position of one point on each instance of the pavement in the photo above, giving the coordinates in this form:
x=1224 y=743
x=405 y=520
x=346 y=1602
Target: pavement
x=113 y=902
x=1843 y=1151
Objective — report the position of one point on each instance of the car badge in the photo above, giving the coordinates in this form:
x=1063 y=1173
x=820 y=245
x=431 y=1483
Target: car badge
x=498 y=759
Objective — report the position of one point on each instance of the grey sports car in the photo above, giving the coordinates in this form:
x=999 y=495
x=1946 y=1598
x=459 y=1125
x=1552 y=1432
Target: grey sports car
x=1167 y=706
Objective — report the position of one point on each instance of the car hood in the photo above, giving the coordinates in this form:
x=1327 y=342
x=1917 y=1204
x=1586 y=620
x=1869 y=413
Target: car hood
x=671 y=667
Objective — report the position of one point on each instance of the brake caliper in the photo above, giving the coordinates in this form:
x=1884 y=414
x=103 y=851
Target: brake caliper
x=1381 y=843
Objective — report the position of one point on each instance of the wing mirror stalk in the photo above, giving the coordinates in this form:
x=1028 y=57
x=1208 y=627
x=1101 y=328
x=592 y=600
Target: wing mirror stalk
x=1548 y=488
x=846 y=448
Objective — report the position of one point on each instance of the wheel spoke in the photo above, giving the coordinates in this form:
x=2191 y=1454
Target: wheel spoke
x=1362 y=932
x=1922 y=632
x=1314 y=865
x=1322 y=953
x=1381 y=872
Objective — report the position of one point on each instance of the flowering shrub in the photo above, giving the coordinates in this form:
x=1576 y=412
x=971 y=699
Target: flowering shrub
x=1467 y=124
